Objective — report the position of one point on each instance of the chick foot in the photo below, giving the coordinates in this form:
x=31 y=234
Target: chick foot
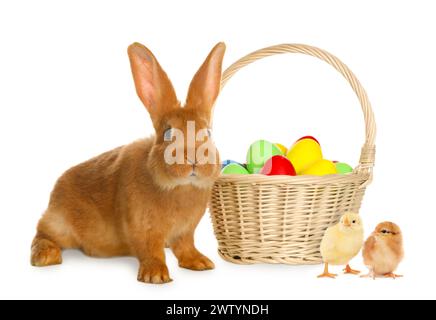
x=392 y=275
x=327 y=274
x=348 y=270
x=369 y=275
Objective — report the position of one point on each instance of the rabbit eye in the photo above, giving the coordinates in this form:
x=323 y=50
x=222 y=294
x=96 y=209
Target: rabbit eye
x=384 y=231
x=168 y=134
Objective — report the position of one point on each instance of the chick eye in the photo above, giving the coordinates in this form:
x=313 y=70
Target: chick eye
x=354 y=221
x=168 y=134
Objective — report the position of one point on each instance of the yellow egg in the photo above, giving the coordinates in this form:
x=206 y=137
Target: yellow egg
x=321 y=168
x=282 y=148
x=304 y=153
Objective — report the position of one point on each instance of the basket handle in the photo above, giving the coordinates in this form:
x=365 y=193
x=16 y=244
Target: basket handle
x=367 y=156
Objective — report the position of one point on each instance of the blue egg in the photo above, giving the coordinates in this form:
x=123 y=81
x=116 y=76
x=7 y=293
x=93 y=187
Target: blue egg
x=227 y=162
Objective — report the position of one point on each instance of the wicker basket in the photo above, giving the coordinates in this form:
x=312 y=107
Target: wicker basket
x=282 y=219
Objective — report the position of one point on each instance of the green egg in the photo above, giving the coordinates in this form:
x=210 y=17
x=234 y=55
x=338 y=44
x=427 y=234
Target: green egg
x=259 y=153
x=343 y=168
x=234 y=168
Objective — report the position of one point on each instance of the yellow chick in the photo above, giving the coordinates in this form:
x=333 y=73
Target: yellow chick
x=383 y=251
x=341 y=243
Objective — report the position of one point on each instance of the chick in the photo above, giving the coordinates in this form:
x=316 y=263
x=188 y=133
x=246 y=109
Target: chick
x=341 y=243
x=383 y=251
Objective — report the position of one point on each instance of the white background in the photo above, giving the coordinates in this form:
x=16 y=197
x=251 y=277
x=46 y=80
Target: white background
x=66 y=95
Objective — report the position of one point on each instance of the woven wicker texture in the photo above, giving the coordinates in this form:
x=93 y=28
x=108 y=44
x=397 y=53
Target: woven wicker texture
x=282 y=219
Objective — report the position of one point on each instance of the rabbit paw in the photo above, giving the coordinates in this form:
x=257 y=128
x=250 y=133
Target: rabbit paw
x=199 y=263
x=45 y=253
x=154 y=272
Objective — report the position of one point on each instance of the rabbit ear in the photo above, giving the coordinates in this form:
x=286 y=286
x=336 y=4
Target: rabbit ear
x=152 y=84
x=206 y=84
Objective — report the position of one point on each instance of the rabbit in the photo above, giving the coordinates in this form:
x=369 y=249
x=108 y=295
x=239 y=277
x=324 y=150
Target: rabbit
x=130 y=201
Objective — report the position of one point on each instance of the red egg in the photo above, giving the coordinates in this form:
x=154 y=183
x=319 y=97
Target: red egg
x=278 y=165
x=307 y=137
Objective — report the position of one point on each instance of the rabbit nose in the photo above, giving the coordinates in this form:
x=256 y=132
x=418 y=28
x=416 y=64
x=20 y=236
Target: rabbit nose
x=193 y=164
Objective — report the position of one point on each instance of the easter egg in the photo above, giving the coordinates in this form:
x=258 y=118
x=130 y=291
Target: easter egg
x=234 y=168
x=343 y=168
x=282 y=148
x=304 y=153
x=258 y=153
x=321 y=168
x=308 y=137
x=278 y=165
x=227 y=162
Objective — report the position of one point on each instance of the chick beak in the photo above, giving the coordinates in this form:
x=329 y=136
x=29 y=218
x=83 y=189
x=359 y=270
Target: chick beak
x=347 y=222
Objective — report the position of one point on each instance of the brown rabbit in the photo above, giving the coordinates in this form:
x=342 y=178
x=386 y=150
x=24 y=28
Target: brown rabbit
x=130 y=201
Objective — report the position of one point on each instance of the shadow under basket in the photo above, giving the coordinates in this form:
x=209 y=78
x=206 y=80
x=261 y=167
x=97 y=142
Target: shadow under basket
x=282 y=219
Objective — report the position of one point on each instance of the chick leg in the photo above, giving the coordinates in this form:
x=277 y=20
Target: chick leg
x=326 y=273
x=392 y=275
x=371 y=274
x=348 y=270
